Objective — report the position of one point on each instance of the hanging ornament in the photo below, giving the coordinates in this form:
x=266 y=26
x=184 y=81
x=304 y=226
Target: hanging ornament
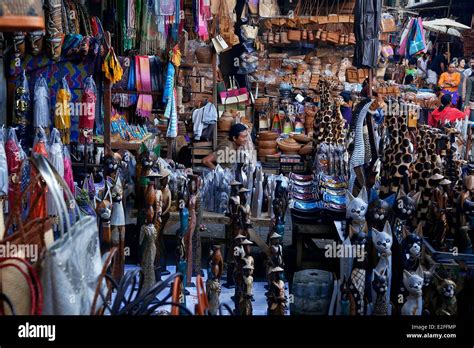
x=56 y=158
x=68 y=175
x=14 y=160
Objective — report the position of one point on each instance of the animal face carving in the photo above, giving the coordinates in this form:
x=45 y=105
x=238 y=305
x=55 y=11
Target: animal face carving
x=413 y=283
x=356 y=208
x=412 y=241
x=383 y=240
x=406 y=204
x=380 y=282
x=380 y=210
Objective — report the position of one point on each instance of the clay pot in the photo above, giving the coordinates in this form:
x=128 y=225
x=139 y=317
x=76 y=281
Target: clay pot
x=267 y=135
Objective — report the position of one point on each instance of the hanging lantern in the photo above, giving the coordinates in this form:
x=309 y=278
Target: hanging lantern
x=21 y=15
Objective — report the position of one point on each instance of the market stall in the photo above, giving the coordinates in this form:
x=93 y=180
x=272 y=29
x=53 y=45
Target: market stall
x=229 y=157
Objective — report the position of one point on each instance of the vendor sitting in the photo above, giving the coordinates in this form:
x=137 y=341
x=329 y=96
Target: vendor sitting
x=229 y=151
x=445 y=113
x=449 y=82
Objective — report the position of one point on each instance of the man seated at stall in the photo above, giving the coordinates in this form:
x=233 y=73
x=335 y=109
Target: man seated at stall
x=230 y=150
x=449 y=82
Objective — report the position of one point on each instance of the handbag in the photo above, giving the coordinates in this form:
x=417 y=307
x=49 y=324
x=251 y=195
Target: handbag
x=219 y=44
x=72 y=264
x=268 y=8
x=249 y=32
x=294 y=35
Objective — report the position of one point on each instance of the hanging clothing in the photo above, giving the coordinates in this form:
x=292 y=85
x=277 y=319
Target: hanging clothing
x=367 y=29
x=171 y=113
x=3 y=85
x=21 y=112
x=41 y=115
x=202 y=118
x=62 y=119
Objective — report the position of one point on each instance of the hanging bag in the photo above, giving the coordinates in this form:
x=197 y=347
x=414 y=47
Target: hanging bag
x=72 y=264
x=268 y=8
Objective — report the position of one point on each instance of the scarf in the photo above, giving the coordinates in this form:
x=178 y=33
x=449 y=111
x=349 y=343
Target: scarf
x=3 y=167
x=41 y=116
x=169 y=83
x=68 y=176
x=131 y=86
x=89 y=100
x=145 y=101
x=130 y=32
x=172 y=114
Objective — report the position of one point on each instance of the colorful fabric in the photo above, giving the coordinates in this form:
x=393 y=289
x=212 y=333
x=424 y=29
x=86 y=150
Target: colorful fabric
x=53 y=72
x=172 y=113
x=62 y=116
x=169 y=84
x=145 y=101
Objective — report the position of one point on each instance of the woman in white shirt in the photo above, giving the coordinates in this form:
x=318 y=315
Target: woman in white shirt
x=422 y=69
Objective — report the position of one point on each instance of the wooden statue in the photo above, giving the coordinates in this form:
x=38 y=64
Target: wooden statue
x=193 y=188
x=103 y=209
x=244 y=213
x=117 y=224
x=245 y=303
x=148 y=248
x=239 y=254
x=181 y=265
x=276 y=299
x=232 y=230
x=165 y=198
x=275 y=255
x=447 y=303
x=413 y=283
x=213 y=285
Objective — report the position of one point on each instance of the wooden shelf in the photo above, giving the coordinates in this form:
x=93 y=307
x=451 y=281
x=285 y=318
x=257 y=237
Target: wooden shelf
x=119 y=91
x=197 y=65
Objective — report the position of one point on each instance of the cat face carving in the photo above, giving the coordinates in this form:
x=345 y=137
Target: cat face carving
x=412 y=241
x=405 y=205
x=356 y=208
x=380 y=282
x=383 y=240
x=413 y=283
x=380 y=210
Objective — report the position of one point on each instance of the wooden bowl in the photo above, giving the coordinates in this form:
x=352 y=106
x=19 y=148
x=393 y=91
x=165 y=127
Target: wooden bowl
x=267 y=144
x=300 y=138
x=265 y=152
x=267 y=135
x=289 y=146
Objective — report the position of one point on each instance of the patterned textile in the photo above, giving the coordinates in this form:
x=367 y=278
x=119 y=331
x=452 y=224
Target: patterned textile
x=53 y=72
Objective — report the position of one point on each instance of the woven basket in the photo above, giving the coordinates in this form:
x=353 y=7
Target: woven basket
x=21 y=15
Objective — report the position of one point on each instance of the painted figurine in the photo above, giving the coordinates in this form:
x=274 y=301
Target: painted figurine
x=447 y=303
x=382 y=242
x=276 y=299
x=275 y=258
x=239 y=254
x=379 y=210
x=148 y=251
x=411 y=246
x=356 y=209
x=380 y=286
x=117 y=224
x=164 y=197
x=413 y=283
x=213 y=285
x=245 y=303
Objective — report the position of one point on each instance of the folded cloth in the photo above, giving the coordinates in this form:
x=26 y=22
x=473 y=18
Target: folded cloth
x=202 y=118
